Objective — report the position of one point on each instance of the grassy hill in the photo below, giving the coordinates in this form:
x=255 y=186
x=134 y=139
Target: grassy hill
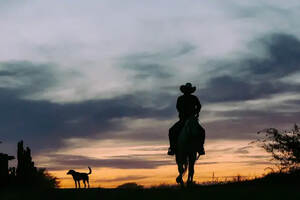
x=273 y=186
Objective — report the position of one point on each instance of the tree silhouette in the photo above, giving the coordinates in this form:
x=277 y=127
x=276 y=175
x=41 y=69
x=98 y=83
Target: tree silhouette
x=283 y=145
x=26 y=174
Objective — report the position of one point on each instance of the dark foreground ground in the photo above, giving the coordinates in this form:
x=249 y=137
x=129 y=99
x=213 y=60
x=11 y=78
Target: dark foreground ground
x=283 y=192
x=268 y=188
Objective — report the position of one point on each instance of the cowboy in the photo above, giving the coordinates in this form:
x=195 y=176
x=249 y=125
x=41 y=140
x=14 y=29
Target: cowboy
x=188 y=105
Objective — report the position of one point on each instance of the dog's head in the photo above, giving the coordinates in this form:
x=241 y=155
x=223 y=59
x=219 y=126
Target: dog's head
x=71 y=171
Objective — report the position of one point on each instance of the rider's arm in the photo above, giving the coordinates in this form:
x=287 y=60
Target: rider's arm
x=198 y=105
x=179 y=105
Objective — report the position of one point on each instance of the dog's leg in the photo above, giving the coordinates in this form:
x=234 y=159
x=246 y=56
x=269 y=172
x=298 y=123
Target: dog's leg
x=84 y=182
x=75 y=183
x=88 y=183
x=79 y=183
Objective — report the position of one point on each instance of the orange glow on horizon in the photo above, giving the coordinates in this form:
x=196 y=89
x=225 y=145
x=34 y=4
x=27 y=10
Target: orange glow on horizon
x=224 y=159
x=162 y=175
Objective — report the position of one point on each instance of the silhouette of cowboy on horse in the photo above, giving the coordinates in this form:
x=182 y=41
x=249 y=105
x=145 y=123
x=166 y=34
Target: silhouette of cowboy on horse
x=188 y=107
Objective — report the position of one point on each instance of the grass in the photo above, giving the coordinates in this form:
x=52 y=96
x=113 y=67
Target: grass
x=273 y=186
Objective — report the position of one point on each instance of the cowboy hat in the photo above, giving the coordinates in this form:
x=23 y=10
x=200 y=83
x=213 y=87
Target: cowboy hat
x=187 y=88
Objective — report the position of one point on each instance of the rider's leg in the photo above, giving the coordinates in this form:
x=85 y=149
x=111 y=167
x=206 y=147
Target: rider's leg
x=173 y=136
x=201 y=149
x=171 y=150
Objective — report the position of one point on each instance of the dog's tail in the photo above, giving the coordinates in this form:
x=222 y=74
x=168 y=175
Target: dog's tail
x=90 y=170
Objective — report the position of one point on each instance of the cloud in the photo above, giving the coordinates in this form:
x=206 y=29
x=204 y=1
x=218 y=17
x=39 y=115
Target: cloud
x=246 y=123
x=26 y=77
x=45 y=125
x=103 y=62
x=110 y=44
x=71 y=161
x=228 y=89
x=257 y=156
x=283 y=58
x=148 y=70
x=220 y=150
x=122 y=178
x=254 y=163
x=243 y=150
x=207 y=163
x=254 y=78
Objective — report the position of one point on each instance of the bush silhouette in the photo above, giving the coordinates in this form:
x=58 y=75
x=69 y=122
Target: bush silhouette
x=44 y=180
x=283 y=145
x=130 y=186
x=26 y=174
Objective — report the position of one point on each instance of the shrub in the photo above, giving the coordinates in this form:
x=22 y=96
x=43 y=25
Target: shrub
x=130 y=186
x=283 y=145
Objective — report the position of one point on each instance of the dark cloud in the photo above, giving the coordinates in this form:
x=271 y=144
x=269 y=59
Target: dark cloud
x=257 y=156
x=243 y=150
x=147 y=134
x=27 y=77
x=283 y=60
x=246 y=123
x=206 y=163
x=231 y=150
x=64 y=162
x=144 y=156
x=256 y=78
x=220 y=150
x=250 y=162
x=225 y=88
x=123 y=178
x=254 y=163
x=230 y=88
x=151 y=149
x=240 y=150
x=43 y=124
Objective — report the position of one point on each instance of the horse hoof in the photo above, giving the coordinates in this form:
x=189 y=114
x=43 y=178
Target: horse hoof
x=179 y=180
x=190 y=183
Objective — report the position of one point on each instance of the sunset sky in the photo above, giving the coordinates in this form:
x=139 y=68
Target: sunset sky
x=95 y=83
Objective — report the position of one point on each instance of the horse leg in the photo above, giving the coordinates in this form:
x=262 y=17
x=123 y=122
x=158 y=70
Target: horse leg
x=192 y=160
x=181 y=172
x=191 y=173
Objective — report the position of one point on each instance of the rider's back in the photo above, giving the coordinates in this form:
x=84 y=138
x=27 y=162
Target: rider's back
x=188 y=105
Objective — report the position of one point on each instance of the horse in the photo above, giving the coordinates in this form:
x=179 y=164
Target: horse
x=186 y=150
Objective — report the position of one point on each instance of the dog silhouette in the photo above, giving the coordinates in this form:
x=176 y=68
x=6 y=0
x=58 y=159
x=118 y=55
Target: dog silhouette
x=77 y=176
